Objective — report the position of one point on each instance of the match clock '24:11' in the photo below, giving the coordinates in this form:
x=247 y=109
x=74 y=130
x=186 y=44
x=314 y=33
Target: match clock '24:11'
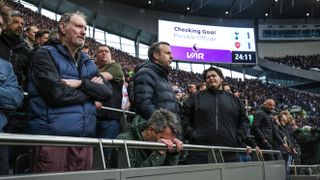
x=243 y=57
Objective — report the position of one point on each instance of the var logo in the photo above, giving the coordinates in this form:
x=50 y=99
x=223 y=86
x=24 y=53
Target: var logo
x=193 y=55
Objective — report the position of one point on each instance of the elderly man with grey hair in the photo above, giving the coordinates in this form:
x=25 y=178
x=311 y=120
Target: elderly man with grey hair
x=64 y=85
x=162 y=127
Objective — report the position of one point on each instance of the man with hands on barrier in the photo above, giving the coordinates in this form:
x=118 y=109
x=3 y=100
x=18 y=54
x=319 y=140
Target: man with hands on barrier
x=309 y=141
x=161 y=127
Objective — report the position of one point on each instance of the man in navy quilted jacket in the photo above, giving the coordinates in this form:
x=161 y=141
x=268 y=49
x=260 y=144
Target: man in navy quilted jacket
x=152 y=90
x=63 y=87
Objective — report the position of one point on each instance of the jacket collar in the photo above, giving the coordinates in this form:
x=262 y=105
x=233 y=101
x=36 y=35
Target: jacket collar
x=159 y=69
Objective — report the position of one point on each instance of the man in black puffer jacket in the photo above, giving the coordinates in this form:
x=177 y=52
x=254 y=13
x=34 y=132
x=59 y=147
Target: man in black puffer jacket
x=214 y=117
x=265 y=131
x=152 y=90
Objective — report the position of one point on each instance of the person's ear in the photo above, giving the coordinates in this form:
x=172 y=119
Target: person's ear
x=150 y=129
x=156 y=56
x=63 y=27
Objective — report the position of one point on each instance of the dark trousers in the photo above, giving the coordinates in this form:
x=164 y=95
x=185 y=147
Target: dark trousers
x=267 y=156
x=4 y=160
x=108 y=129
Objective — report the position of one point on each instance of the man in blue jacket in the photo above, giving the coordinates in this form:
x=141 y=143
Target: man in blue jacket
x=64 y=85
x=11 y=95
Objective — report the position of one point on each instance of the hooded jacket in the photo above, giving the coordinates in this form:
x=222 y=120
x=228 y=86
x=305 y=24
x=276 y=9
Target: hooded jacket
x=144 y=157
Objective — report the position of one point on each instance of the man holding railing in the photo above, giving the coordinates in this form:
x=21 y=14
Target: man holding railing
x=213 y=117
x=162 y=127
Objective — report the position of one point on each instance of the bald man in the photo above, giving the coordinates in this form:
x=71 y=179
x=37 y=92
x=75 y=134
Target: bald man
x=264 y=129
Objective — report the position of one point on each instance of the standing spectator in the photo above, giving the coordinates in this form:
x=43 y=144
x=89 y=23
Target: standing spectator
x=11 y=94
x=214 y=117
x=264 y=128
x=309 y=141
x=31 y=36
x=191 y=90
x=108 y=125
x=201 y=86
x=162 y=127
x=64 y=85
x=151 y=86
x=14 y=48
x=41 y=37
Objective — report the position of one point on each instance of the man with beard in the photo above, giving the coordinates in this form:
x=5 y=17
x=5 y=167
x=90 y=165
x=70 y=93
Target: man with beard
x=13 y=47
x=214 y=117
x=64 y=85
x=11 y=94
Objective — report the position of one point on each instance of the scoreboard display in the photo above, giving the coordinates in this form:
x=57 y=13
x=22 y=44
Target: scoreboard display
x=208 y=44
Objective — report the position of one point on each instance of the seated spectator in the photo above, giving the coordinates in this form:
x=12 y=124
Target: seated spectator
x=162 y=127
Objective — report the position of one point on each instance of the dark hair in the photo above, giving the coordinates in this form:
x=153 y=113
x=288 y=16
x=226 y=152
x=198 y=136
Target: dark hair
x=102 y=45
x=86 y=46
x=217 y=70
x=234 y=89
x=28 y=28
x=199 y=85
x=41 y=32
x=155 y=48
x=163 y=118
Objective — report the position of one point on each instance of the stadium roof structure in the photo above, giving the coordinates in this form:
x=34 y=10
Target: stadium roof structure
x=98 y=11
x=251 y=9
x=105 y=15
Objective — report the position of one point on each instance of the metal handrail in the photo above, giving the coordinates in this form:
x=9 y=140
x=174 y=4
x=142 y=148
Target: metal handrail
x=303 y=169
x=118 y=110
x=35 y=140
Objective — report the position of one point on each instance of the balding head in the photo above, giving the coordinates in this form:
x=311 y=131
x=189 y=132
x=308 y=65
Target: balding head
x=269 y=104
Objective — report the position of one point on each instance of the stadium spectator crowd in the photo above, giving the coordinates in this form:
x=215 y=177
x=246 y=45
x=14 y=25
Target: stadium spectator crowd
x=251 y=92
x=299 y=62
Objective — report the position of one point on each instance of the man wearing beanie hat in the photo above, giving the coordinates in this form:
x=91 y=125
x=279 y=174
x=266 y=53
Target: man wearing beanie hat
x=214 y=117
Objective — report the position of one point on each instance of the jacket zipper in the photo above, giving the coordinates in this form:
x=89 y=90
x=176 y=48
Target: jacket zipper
x=217 y=115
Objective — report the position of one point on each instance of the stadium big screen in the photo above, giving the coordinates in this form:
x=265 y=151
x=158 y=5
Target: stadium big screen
x=208 y=44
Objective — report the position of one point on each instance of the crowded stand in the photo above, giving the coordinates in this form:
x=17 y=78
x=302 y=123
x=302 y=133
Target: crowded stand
x=299 y=62
x=117 y=69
